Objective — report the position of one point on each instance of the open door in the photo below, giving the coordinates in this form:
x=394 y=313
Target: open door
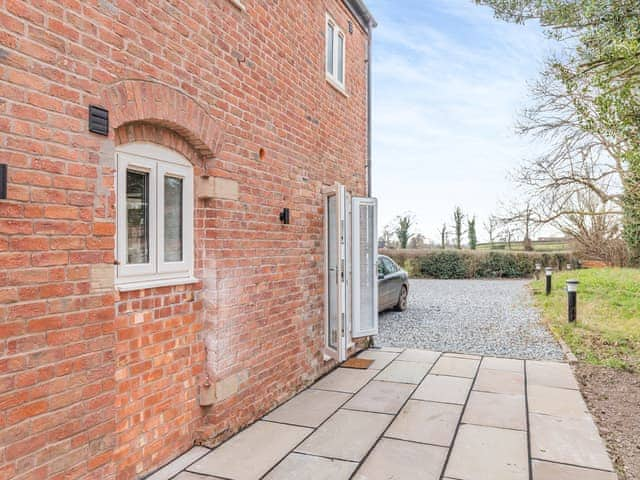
x=337 y=271
x=364 y=266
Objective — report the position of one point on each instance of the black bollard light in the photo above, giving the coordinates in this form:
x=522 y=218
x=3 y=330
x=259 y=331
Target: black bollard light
x=572 y=298
x=548 y=272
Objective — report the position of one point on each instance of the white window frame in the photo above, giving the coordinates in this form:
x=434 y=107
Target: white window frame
x=157 y=161
x=332 y=77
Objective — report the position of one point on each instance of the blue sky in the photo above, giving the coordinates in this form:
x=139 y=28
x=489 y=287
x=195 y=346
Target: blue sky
x=449 y=81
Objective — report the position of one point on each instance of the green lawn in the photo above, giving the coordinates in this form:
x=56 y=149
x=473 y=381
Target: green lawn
x=608 y=327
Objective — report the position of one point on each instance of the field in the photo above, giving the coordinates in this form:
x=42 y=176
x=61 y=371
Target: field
x=608 y=328
x=538 y=246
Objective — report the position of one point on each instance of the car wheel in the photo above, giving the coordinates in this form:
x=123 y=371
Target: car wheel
x=401 y=306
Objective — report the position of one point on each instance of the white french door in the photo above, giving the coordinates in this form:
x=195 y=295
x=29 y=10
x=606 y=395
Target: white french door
x=336 y=269
x=351 y=291
x=364 y=266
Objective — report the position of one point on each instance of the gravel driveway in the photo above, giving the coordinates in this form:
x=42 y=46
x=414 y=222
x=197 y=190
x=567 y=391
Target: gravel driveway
x=490 y=317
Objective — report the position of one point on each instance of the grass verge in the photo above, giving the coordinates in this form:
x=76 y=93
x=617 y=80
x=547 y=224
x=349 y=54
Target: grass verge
x=608 y=328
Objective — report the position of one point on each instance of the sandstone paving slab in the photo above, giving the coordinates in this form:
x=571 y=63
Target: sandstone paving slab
x=308 y=467
x=347 y=380
x=264 y=443
x=413 y=355
x=397 y=459
x=404 y=372
x=381 y=397
x=507 y=364
x=380 y=359
x=468 y=356
x=180 y=463
x=455 y=367
x=487 y=453
x=496 y=410
x=574 y=441
x=194 y=476
x=426 y=422
x=499 y=381
x=347 y=435
x=439 y=388
x=557 y=471
x=551 y=374
x=309 y=408
x=559 y=402
x=392 y=349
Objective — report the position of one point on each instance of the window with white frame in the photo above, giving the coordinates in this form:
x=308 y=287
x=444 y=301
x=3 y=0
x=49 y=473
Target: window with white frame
x=154 y=217
x=335 y=53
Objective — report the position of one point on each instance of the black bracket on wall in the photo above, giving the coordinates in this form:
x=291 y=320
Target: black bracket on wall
x=98 y=120
x=3 y=181
x=285 y=216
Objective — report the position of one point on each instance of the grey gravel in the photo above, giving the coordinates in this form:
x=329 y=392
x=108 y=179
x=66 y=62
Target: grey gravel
x=488 y=317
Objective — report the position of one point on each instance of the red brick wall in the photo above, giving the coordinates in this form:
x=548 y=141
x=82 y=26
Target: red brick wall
x=100 y=384
x=159 y=359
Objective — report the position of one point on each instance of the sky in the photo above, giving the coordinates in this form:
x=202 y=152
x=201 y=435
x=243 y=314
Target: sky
x=448 y=83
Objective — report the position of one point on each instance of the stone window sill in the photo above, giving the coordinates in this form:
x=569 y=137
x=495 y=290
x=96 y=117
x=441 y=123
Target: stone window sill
x=165 y=282
x=340 y=88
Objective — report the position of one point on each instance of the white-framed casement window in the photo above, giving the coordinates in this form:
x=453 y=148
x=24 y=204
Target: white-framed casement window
x=154 y=208
x=335 y=53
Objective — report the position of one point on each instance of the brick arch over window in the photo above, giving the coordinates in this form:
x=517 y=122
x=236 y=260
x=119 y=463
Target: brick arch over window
x=153 y=133
x=136 y=101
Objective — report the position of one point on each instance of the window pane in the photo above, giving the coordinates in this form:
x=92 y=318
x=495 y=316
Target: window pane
x=340 y=59
x=330 y=49
x=367 y=266
x=172 y=219
x=332 y=278
x=389 y=266
x=137 y=217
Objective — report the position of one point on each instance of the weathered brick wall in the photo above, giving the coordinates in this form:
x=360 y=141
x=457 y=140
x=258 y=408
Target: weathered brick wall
x=100 y=384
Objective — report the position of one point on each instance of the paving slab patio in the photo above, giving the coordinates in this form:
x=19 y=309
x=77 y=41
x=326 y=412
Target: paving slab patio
x=392 y=459
x=404 y=372
x=426 y=422
x=416 y=414
x=499 y=410
x=456 y=367
x=381 y=397
x=310 y=408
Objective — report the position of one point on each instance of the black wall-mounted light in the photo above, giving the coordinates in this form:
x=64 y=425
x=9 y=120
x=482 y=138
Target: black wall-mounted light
x=98 y=120
x=3 y=181
x=285 y=216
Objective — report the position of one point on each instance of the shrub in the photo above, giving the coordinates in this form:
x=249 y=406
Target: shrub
x=474 y=264
x=444 y=264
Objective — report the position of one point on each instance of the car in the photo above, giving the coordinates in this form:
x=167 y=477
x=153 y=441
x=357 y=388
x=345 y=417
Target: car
x=393 y=285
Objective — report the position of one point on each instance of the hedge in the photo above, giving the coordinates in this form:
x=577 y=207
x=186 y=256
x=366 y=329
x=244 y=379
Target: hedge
x=477 y=264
